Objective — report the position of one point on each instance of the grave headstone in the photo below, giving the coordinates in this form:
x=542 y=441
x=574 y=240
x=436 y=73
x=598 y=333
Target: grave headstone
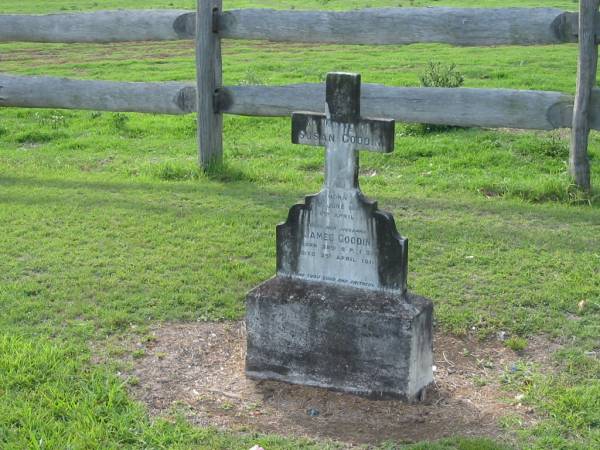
x=338 y=314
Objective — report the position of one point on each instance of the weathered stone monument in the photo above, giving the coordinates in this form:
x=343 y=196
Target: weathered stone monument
x=338 y=314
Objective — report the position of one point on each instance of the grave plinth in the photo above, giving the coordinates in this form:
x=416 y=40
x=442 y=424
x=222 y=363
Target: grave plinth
x=338 y=314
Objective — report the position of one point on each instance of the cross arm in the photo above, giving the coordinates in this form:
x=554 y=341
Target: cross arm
x=375 y=135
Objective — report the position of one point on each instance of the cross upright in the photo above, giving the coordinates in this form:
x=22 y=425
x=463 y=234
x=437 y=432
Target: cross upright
x=342 y=131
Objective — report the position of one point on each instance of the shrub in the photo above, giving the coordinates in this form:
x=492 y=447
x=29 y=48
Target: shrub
x=439 y=75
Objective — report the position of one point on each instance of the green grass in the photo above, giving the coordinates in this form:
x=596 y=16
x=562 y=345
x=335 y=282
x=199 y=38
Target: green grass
x=81 y=408
x=108 y=227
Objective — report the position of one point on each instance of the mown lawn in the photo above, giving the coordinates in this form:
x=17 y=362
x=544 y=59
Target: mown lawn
x=108 y=227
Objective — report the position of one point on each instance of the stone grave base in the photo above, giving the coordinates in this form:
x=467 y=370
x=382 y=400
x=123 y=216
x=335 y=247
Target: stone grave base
x=358 y=341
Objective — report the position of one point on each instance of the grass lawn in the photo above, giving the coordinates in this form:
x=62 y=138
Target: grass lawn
x=108 y=227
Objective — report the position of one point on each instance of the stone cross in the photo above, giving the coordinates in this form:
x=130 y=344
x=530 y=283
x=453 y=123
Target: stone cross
x=338 y=236
x=342 y=131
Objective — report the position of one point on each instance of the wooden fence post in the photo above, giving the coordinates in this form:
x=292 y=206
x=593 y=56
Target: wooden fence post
x=209 y=78
x=587 y=67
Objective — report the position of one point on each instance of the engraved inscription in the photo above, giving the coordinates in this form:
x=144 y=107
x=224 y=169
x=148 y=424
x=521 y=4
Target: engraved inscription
x=323 y=139
x=338 y=242
x=368 y=134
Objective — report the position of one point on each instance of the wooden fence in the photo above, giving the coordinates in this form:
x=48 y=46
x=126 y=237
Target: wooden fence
x=493 y=108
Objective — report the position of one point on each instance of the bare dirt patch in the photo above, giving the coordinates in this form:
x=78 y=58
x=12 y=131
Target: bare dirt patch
x=201 y=366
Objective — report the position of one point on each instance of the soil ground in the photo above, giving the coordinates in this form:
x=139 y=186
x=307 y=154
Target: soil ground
x=200 y=367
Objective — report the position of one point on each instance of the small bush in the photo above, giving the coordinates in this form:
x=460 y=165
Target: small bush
x=438 y=75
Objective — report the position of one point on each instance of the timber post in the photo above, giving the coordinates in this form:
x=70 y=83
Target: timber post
x=579 y=164
x=209 y=72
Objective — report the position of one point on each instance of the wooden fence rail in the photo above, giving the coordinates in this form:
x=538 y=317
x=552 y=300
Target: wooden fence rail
x=494 y=108
x=456 y=26
x=100 y=26
x=63 y=93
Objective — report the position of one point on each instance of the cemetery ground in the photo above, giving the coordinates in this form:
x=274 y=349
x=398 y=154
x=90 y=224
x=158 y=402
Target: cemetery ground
x=117 y=252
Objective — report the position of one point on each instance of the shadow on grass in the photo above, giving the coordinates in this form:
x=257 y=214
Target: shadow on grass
x=100 y=193
x=241 y=187
x=519 y=223
x=190 y=171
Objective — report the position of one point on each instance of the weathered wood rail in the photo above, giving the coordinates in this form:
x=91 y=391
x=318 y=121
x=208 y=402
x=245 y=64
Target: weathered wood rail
x=494 y=108
x=100 y=26
x=457 y=26
x=63 y=93
x=499 y=108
